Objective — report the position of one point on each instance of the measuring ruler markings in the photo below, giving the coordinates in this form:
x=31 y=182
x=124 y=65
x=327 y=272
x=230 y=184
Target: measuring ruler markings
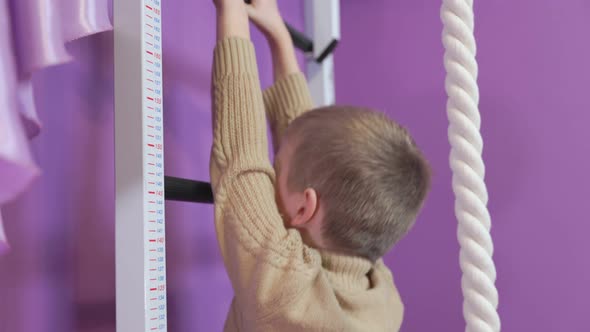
x=153 y=159
x=139 y=168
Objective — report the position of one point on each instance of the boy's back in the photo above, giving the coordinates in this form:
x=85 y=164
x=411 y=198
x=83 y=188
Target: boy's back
x=338 y=294
x=280 y=281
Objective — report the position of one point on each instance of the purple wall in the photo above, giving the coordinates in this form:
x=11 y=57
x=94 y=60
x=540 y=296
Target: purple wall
x=534 y=77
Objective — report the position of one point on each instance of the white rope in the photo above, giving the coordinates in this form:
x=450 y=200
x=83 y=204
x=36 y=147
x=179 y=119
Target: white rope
x=471 y=197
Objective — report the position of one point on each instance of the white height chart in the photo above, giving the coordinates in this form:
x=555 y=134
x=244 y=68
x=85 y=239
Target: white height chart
x=139 y=154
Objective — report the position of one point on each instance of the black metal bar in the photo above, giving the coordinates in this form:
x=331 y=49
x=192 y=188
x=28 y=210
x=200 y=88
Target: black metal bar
x=185 y=190
x=327 y=51
x=300 y=40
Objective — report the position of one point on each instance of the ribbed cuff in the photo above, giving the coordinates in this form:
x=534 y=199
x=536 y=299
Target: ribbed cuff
x=234 y=55
x=287 y=97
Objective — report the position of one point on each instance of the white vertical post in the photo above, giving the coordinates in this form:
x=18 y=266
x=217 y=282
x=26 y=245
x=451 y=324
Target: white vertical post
x=322 y=25
x=140 y=233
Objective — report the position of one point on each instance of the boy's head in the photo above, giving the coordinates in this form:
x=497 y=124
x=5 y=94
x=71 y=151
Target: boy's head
x=350 y=180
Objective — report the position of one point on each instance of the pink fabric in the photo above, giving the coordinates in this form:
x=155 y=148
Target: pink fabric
x=3 y=242
x=33 y=35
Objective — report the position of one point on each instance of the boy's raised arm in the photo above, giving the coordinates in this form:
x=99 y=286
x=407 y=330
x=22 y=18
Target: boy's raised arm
x=255 y=245
x=240 y=163
x=289 y=96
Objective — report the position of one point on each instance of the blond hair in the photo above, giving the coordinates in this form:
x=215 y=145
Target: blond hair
x=370 y=176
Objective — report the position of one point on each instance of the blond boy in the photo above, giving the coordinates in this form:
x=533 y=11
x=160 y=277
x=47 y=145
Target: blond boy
x=302 y=242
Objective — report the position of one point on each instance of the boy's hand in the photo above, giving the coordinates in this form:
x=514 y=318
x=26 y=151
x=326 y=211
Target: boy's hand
x=232 y=19
x=266 y=16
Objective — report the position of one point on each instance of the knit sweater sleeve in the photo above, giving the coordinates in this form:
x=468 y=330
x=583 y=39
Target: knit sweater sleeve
x=284 y=101
x=266 y=263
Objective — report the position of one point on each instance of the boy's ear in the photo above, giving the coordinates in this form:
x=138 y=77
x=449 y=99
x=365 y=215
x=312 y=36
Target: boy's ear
x=307 y=208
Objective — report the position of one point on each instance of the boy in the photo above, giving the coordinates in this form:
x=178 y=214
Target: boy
x=302 y=243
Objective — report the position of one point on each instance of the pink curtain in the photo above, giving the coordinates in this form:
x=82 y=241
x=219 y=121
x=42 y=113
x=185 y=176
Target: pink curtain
x=33 y=35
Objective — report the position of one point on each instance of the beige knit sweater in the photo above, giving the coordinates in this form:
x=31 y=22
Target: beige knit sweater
x=280 y=284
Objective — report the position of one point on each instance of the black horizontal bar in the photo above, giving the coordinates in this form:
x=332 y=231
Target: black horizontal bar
x=331 y=47
x=300 y=40
x=184 y=190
